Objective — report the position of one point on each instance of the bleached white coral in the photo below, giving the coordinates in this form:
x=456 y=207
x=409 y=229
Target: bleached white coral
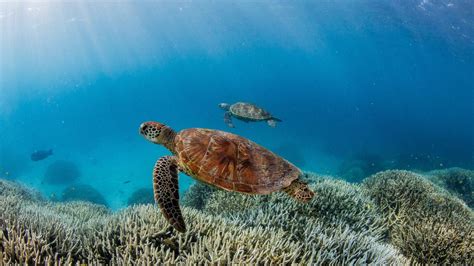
x=458 y=181
x=425 y=222
x=43 y=233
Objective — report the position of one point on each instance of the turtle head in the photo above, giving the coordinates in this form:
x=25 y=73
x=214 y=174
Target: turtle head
x=224 y=106
x=158 y=133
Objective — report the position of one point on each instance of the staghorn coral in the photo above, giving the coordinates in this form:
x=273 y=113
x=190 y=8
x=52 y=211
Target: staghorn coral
x=82 y=192
x=61 y=172
x=141 y=196
x=458 y=181
x=43 y=233
x=11 y=188
x=81 y=210
x=36 y=233
x=141 y=235
x=336 y=203
x=425 y=222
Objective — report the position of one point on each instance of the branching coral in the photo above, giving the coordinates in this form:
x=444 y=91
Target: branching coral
x=34 y=233
x=42 y=233
x=9 y=188
x=80 y=210
x=425 y=222
x=141 y=235
x=458 y=181
x=337 y=203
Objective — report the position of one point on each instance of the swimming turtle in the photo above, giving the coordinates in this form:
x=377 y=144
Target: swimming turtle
x=220 y=159
x=247 y=112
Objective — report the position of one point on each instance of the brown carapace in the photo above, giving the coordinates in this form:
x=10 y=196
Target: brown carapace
x=221 y=159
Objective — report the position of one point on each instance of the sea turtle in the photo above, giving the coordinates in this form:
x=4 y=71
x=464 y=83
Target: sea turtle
x=247 y=112
x=220 y=159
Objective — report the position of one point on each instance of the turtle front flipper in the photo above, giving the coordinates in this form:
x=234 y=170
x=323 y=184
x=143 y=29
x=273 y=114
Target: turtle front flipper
x=228 y=119
x=165 y=188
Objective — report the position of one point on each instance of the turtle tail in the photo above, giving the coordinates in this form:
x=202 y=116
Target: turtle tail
x=299 y=191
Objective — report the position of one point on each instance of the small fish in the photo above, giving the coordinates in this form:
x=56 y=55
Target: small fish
x=41 y=155
x=126 y=182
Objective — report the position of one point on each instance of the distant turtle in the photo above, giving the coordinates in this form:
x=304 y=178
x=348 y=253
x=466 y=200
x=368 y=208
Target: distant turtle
x=247 y=112
x=221 y=159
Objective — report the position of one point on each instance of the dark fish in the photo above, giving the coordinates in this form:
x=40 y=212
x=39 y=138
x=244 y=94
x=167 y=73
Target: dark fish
x=41 y=155
x=126 y=182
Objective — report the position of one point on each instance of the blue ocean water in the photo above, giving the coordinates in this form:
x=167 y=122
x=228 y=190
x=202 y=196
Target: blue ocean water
x=391 y=80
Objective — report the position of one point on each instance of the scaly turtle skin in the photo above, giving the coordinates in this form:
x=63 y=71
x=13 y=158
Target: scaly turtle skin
x=247 y=112
x=221 y=159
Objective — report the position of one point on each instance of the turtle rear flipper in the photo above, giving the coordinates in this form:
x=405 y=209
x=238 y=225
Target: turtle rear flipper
x=299 y=190
x=273 y=121
x=165 y=188
x=228 y=119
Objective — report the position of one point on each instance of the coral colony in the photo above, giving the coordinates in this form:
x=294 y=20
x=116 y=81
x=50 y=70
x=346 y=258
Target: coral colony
x=392 y=217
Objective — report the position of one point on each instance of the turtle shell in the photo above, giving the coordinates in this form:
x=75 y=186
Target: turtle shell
x=249 y=111
x=232 y=162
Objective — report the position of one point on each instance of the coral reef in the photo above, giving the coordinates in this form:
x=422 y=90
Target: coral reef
x=337 y=204
x=81 y=210
x=425 y=222
x=458 y=181
x=393 y=217
x=14 y=189
x=43 y=233
x=40 y=232
x=82 y=192
x=61 y=172
x=141 y=235
x=141 y=196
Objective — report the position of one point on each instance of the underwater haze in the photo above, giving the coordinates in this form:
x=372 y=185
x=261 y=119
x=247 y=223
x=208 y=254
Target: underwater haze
x=388 y=83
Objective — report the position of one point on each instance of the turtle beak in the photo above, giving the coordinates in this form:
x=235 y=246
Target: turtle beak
x=142 y=129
